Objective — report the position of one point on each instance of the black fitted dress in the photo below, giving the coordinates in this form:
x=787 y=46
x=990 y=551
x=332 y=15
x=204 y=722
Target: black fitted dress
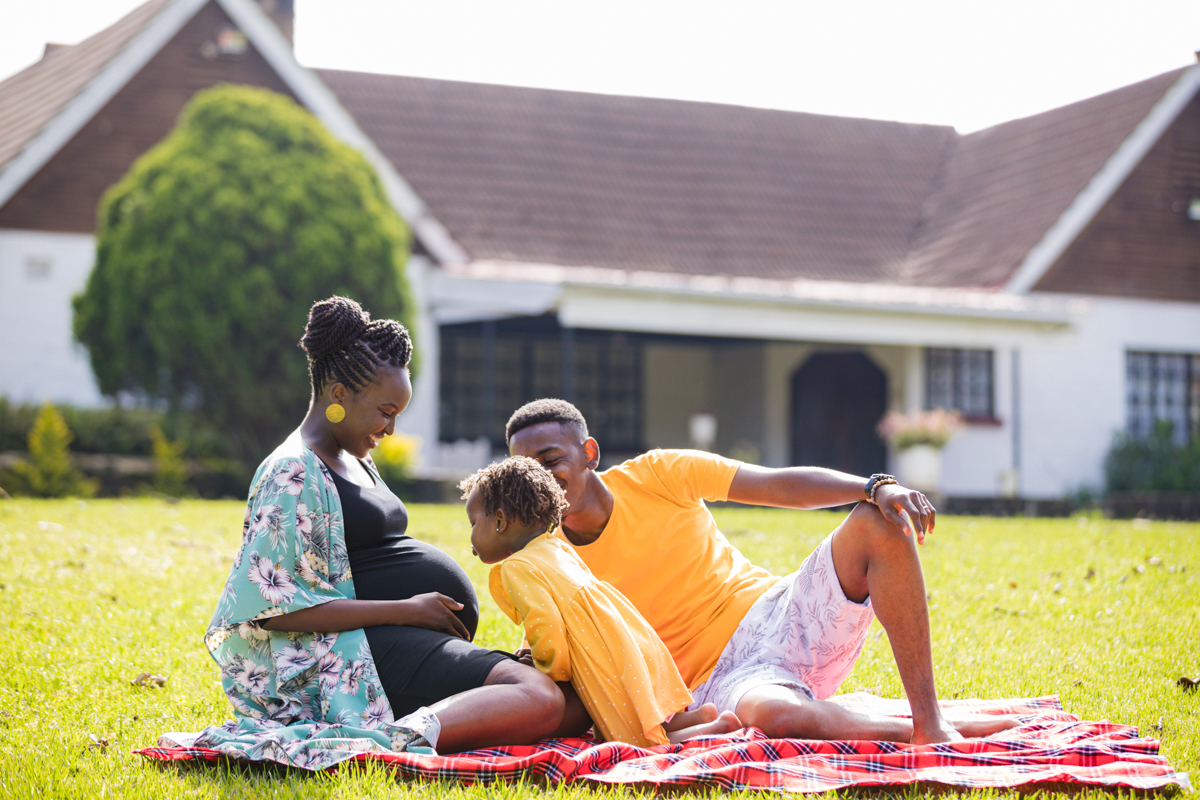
x=416 y=666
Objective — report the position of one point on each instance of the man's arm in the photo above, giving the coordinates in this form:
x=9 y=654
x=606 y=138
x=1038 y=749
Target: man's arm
x=816 y=487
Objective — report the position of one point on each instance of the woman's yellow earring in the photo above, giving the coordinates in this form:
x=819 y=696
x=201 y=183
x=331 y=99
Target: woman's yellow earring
x=335 y=413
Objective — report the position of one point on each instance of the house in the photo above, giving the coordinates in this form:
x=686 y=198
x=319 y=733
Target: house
x=787 y=276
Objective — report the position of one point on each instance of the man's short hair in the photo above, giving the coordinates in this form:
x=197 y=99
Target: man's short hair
x=546 y=410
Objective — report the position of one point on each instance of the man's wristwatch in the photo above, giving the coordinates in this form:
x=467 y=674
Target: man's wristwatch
x=874 y=482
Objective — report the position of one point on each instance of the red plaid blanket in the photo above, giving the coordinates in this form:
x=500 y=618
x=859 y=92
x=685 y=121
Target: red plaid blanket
x=1051 y=746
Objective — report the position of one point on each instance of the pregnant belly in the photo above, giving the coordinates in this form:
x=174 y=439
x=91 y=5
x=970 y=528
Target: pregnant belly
x=411 y=567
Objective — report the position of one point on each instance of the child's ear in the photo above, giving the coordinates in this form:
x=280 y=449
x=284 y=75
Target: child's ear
x=501 y=521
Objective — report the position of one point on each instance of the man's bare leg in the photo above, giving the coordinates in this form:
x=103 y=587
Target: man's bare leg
x=873 y=559
x=783 y=713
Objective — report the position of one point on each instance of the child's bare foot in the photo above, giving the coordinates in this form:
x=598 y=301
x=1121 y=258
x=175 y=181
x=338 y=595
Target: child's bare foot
x=686 y=719
x=971 y=727
x=726 y=722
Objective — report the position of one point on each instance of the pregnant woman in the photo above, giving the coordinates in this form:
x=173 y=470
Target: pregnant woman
x=336 y=631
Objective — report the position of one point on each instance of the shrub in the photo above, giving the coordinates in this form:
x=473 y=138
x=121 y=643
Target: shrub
x=395 y=458
x=130 y=432
x=170 y=474
x=49 y=472
x=1156 y=463
x=210 y=252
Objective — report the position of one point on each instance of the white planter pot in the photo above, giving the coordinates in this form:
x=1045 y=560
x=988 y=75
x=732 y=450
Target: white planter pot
x=920 y=467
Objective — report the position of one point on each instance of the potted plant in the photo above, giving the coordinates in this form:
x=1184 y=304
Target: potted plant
x=918 y=438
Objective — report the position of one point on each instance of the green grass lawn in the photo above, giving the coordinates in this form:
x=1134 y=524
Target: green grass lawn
x=1102 y=613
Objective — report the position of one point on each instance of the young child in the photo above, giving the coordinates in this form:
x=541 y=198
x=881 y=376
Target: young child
x=580 y=629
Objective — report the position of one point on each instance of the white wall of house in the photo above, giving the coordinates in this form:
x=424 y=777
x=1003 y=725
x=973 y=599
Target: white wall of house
x=976 y=463
x=39 y=360
x=1059 y=379
x=1073 y=391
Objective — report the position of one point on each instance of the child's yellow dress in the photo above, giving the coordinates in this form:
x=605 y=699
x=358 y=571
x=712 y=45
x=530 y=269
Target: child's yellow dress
x=583 y=630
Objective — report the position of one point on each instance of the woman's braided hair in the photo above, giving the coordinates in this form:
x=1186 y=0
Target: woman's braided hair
x=522 y=488
x=345 y=345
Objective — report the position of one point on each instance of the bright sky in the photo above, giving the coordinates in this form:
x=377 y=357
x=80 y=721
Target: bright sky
x=953 y=62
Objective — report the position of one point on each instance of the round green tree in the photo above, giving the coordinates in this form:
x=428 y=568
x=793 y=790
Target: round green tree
x=212 y=248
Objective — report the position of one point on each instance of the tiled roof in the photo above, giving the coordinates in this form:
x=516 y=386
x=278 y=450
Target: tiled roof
x=31 y=98
x=593 y=180
x=567 y=178
x=573 y=179
x=1003 y=187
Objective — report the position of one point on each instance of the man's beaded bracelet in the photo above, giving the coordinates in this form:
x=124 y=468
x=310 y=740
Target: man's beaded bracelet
x=874 y=482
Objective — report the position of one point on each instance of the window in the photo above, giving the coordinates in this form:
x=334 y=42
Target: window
x=1166 y=387
x=959 y=380
x=490 y=369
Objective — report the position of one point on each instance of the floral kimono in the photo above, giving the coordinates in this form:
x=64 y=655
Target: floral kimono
x=304 y=699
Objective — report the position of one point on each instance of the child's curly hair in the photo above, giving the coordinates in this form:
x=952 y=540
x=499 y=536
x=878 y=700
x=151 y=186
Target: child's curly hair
x=522 y=488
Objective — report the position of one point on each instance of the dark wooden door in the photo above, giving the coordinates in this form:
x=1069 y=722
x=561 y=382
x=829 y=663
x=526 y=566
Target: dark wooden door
x=837 y=400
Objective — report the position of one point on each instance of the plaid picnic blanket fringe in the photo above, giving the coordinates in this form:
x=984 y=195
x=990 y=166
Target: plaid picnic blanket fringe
x=1050 y=746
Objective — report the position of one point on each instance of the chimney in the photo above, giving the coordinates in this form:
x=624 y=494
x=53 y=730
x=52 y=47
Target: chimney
x=54 y=47
x=283 y=13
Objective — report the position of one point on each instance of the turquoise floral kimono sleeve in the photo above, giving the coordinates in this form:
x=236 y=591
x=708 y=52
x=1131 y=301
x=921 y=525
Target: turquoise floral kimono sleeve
x=322 y=686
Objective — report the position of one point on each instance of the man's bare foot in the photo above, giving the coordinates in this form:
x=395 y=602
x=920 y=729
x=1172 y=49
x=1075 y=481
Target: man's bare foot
x=726 y=722
x=686 y=719
x=958 y=728
x=977 y=725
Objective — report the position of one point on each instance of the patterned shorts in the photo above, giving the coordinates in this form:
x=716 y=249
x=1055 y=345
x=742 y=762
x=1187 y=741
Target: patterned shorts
x=803 y=633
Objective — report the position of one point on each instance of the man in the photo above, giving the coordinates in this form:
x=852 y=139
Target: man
x=770 y=649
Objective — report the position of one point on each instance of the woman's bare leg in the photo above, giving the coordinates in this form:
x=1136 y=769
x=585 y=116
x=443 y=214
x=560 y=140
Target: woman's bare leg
x=516 y=705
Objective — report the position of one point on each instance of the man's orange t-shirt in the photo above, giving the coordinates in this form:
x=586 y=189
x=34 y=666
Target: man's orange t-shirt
x=662 y=550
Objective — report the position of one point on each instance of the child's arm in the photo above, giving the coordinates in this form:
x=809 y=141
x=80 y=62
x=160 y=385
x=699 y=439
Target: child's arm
x=525 y=597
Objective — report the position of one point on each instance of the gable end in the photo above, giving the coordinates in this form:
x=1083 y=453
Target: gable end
x=1143 y=243
x=63 y=194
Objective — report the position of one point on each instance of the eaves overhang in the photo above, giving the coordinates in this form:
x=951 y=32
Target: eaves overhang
x=1039 y=311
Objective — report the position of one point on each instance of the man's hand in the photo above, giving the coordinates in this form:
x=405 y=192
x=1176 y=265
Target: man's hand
x=525 y=656
x=907 y=508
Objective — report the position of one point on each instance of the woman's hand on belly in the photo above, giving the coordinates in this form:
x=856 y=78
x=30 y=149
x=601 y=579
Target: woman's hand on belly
x=432 y=610
x=435 y=611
